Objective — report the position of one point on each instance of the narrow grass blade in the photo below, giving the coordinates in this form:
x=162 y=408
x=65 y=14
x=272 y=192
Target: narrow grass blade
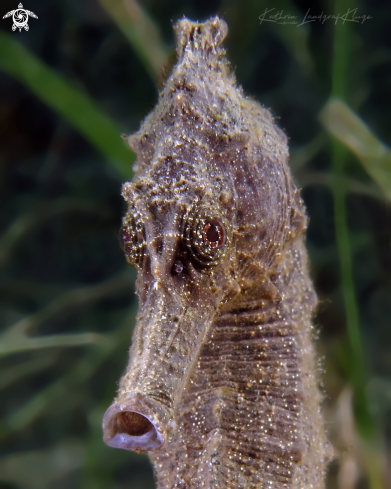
x=76 y=107
x=364 y=421
x=16 y=338
x=346 y=126
x=141 y=32
x=59 y=389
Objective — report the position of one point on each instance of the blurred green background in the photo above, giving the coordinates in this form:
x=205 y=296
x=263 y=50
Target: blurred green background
x=87 y=71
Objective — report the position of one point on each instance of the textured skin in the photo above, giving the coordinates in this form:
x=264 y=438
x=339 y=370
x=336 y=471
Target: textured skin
x=222 y=362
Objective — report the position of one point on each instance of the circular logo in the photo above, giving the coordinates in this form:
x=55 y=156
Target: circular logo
x=20 y=19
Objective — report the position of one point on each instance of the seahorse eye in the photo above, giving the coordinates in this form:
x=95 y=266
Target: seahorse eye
x=177 y=268
x=126 y=240
x=213 y=234
x=133 y=240
x=205 y=236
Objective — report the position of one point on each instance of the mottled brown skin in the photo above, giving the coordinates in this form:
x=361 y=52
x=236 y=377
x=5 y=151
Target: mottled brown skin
x=221 y=387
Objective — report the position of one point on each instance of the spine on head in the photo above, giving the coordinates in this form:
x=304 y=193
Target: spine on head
x=206 y=38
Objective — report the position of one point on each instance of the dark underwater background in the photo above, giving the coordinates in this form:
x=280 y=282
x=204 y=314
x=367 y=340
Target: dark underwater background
x=88 y=71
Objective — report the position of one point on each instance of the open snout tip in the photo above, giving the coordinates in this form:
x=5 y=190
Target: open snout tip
x=127 y=428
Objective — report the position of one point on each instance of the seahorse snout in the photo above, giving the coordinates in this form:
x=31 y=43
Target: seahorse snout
x=168 y=335
x=135 y=423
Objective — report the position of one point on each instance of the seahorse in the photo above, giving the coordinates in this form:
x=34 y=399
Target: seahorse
x=222 y=383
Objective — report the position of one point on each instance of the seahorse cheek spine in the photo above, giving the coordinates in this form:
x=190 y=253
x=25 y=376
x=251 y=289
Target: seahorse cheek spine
x=221 y=386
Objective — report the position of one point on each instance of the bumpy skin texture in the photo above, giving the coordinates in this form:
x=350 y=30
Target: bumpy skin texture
x=221 y=386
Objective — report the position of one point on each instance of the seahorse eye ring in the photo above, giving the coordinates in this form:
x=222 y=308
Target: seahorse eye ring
x=205 y=236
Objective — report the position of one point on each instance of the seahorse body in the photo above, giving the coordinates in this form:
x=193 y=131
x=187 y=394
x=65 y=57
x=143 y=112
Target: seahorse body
x=221 y=386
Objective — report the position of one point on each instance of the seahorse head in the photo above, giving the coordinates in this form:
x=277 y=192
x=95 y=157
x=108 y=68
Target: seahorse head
x=210 y=210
